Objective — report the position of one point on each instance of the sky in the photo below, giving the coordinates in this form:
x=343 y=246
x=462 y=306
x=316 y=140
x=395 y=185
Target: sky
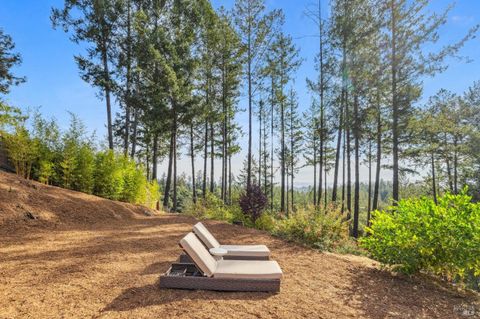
x=54 y=85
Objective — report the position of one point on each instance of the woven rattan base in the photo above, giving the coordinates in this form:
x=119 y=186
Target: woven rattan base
x=186 y=276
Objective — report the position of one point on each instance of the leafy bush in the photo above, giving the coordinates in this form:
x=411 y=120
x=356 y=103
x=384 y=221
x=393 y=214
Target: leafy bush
x=323 y=230
x=253 y=201
x=265 y=222
x=212 y=207
x=22 y=150
x=419 y=235
x=133 y=181
x=83 y=178
x=46 y=134
x=108 y=176
x=45 y=171
x=152 y=194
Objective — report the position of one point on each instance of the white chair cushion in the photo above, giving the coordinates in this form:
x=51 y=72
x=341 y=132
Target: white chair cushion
x=200 y=255
x=246 y=250
x=248 y=269
x=205 y=236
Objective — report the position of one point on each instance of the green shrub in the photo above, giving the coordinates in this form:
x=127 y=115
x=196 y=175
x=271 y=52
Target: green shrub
x=265 y=222
x=212 y=207
x=152 y=194
x=133 y=181
x=323 y=230
x=46 y=134
x=45 y=171
x=83 y=172
x=419 y=235
x=22 y=150
x=108 y=175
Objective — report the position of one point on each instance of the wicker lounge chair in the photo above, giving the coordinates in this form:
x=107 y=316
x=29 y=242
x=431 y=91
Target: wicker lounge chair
x=237 y=252
x=207 y=273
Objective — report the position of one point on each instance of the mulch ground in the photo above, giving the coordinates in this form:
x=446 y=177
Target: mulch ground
x=86 y=257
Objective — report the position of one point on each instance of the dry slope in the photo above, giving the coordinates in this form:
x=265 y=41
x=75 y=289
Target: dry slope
x=86 y=257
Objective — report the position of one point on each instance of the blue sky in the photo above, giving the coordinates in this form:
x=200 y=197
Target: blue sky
x=53 y=81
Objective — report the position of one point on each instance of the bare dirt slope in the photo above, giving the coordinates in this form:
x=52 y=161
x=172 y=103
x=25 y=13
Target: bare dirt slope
x=86 y=257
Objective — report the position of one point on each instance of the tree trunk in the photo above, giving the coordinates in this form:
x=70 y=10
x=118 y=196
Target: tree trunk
x=128 y=82
x=349 y=160
x=379 y=154
x=175 y=209
x=192 y=156
x=272 y=110
x=260 y=111
x=455 y=165
x=449 y=168
x=169 y=172
x=229 y=177
x=369 y=206
x=326 y=190
x=265 y=157
x=224 y=135
x=147 y=160
x=134 y=133
x=155 y=157
x=322 y=155
x=107 y=95
x=249 y=75
x=212 y=159
x=343 y=171
x=282 y=187
x=320 y=29
x=205 y=160
x=395 y=113
x=434 y=181
x=356 y=203
x=337 y=157
x=314 y=171
x=340 y=122
x=292 y=150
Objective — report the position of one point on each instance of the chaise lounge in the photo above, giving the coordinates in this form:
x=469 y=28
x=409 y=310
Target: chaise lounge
x=208 y=273
x=237 y=252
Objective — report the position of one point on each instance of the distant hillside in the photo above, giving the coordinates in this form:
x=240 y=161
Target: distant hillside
x=25 y=204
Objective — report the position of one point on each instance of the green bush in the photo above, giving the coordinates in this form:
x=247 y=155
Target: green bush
x=419 y=235
x=46 y=134
x=133 y=181
x=212 y=207
x=108 y=175
x=265 y=222
x=83 y=178
x=152 y=194
x=323 y=230
x=22 y=150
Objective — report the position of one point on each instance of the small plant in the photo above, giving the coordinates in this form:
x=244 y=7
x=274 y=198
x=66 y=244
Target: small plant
x=323 y=230
x=253 y=202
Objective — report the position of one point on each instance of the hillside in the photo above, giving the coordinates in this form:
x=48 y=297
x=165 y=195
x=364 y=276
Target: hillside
x=72 y=255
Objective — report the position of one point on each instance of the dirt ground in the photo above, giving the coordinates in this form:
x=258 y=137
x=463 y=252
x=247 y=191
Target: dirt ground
x=86 y=257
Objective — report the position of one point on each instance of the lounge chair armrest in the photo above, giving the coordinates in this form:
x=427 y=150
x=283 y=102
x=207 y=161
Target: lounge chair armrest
x=218 y=252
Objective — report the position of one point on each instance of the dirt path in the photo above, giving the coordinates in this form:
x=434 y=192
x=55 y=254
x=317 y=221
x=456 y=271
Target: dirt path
x=111 y=270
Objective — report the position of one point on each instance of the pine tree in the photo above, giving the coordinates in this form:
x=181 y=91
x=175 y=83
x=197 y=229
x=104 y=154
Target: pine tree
x=256 y=28
x=286 y=55
x=410 y=30
x=94 y=22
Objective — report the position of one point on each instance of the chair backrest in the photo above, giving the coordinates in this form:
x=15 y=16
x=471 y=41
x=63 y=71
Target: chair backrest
x=205 y=236
x=199 y=254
